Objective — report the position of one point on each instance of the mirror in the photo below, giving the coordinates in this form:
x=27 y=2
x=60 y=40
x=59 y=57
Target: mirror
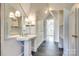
x=12 y=21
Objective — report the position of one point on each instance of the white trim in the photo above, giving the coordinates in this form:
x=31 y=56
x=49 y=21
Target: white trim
x=2 y=28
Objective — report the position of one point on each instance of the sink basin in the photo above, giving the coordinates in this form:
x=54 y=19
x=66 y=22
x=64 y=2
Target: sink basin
x=28 y=37
x=22 y=38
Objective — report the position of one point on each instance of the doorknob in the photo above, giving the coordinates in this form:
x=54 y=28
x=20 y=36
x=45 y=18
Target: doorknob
x=74 y=36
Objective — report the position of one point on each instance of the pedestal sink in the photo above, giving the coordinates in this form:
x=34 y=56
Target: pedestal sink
x=25 y=37
x=27 y=42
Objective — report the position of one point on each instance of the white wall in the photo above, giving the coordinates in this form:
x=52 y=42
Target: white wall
x=9 y=47
x=61 y=29
x=31 y=30
x=2 y=28
x=66 y=31
x=57 y=27
x=39 y=33
x=39 y=29
x=61 y=17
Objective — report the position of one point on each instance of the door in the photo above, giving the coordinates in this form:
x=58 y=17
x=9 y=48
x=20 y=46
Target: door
x=77 y=32
x=73 y=32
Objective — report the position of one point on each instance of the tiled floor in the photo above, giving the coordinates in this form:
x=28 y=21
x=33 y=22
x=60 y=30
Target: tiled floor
x=48 y=48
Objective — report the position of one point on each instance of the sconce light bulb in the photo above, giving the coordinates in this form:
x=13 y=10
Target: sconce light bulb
x=11 y=15
x=17 y=13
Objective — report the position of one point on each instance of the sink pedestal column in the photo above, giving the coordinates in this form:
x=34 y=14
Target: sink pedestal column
x=27 y=48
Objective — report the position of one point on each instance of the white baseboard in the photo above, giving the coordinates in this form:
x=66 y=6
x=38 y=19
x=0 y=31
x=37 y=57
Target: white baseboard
x=56 y=41
x=69 y=52
x=34 y=50
x=37 y=46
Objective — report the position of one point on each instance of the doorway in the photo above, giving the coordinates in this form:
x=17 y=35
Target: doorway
x=48 y=46
x=50 y=30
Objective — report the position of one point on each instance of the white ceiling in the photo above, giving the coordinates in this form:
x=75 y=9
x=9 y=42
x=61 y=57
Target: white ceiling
x=40 y=6
x=29 y=7
x=60 y=6
x=55 y=6
x=26 y=7
x=44 y=6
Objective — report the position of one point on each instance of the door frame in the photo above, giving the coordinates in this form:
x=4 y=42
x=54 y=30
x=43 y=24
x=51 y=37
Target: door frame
x=45 y=24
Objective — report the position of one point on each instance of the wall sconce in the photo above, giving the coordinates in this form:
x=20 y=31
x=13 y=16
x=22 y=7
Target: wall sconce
x=27 y=20
x=14 y=16
x=11 y=15
x=17 y=13
x=30 y=20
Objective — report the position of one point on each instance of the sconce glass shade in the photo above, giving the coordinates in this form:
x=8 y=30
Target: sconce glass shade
x=17 y=13
x=11 y=15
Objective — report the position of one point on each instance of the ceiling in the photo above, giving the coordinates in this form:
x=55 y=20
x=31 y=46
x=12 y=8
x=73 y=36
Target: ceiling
x=29 y=7
x=55 y=6
x=60 y=6
x=40 y=6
